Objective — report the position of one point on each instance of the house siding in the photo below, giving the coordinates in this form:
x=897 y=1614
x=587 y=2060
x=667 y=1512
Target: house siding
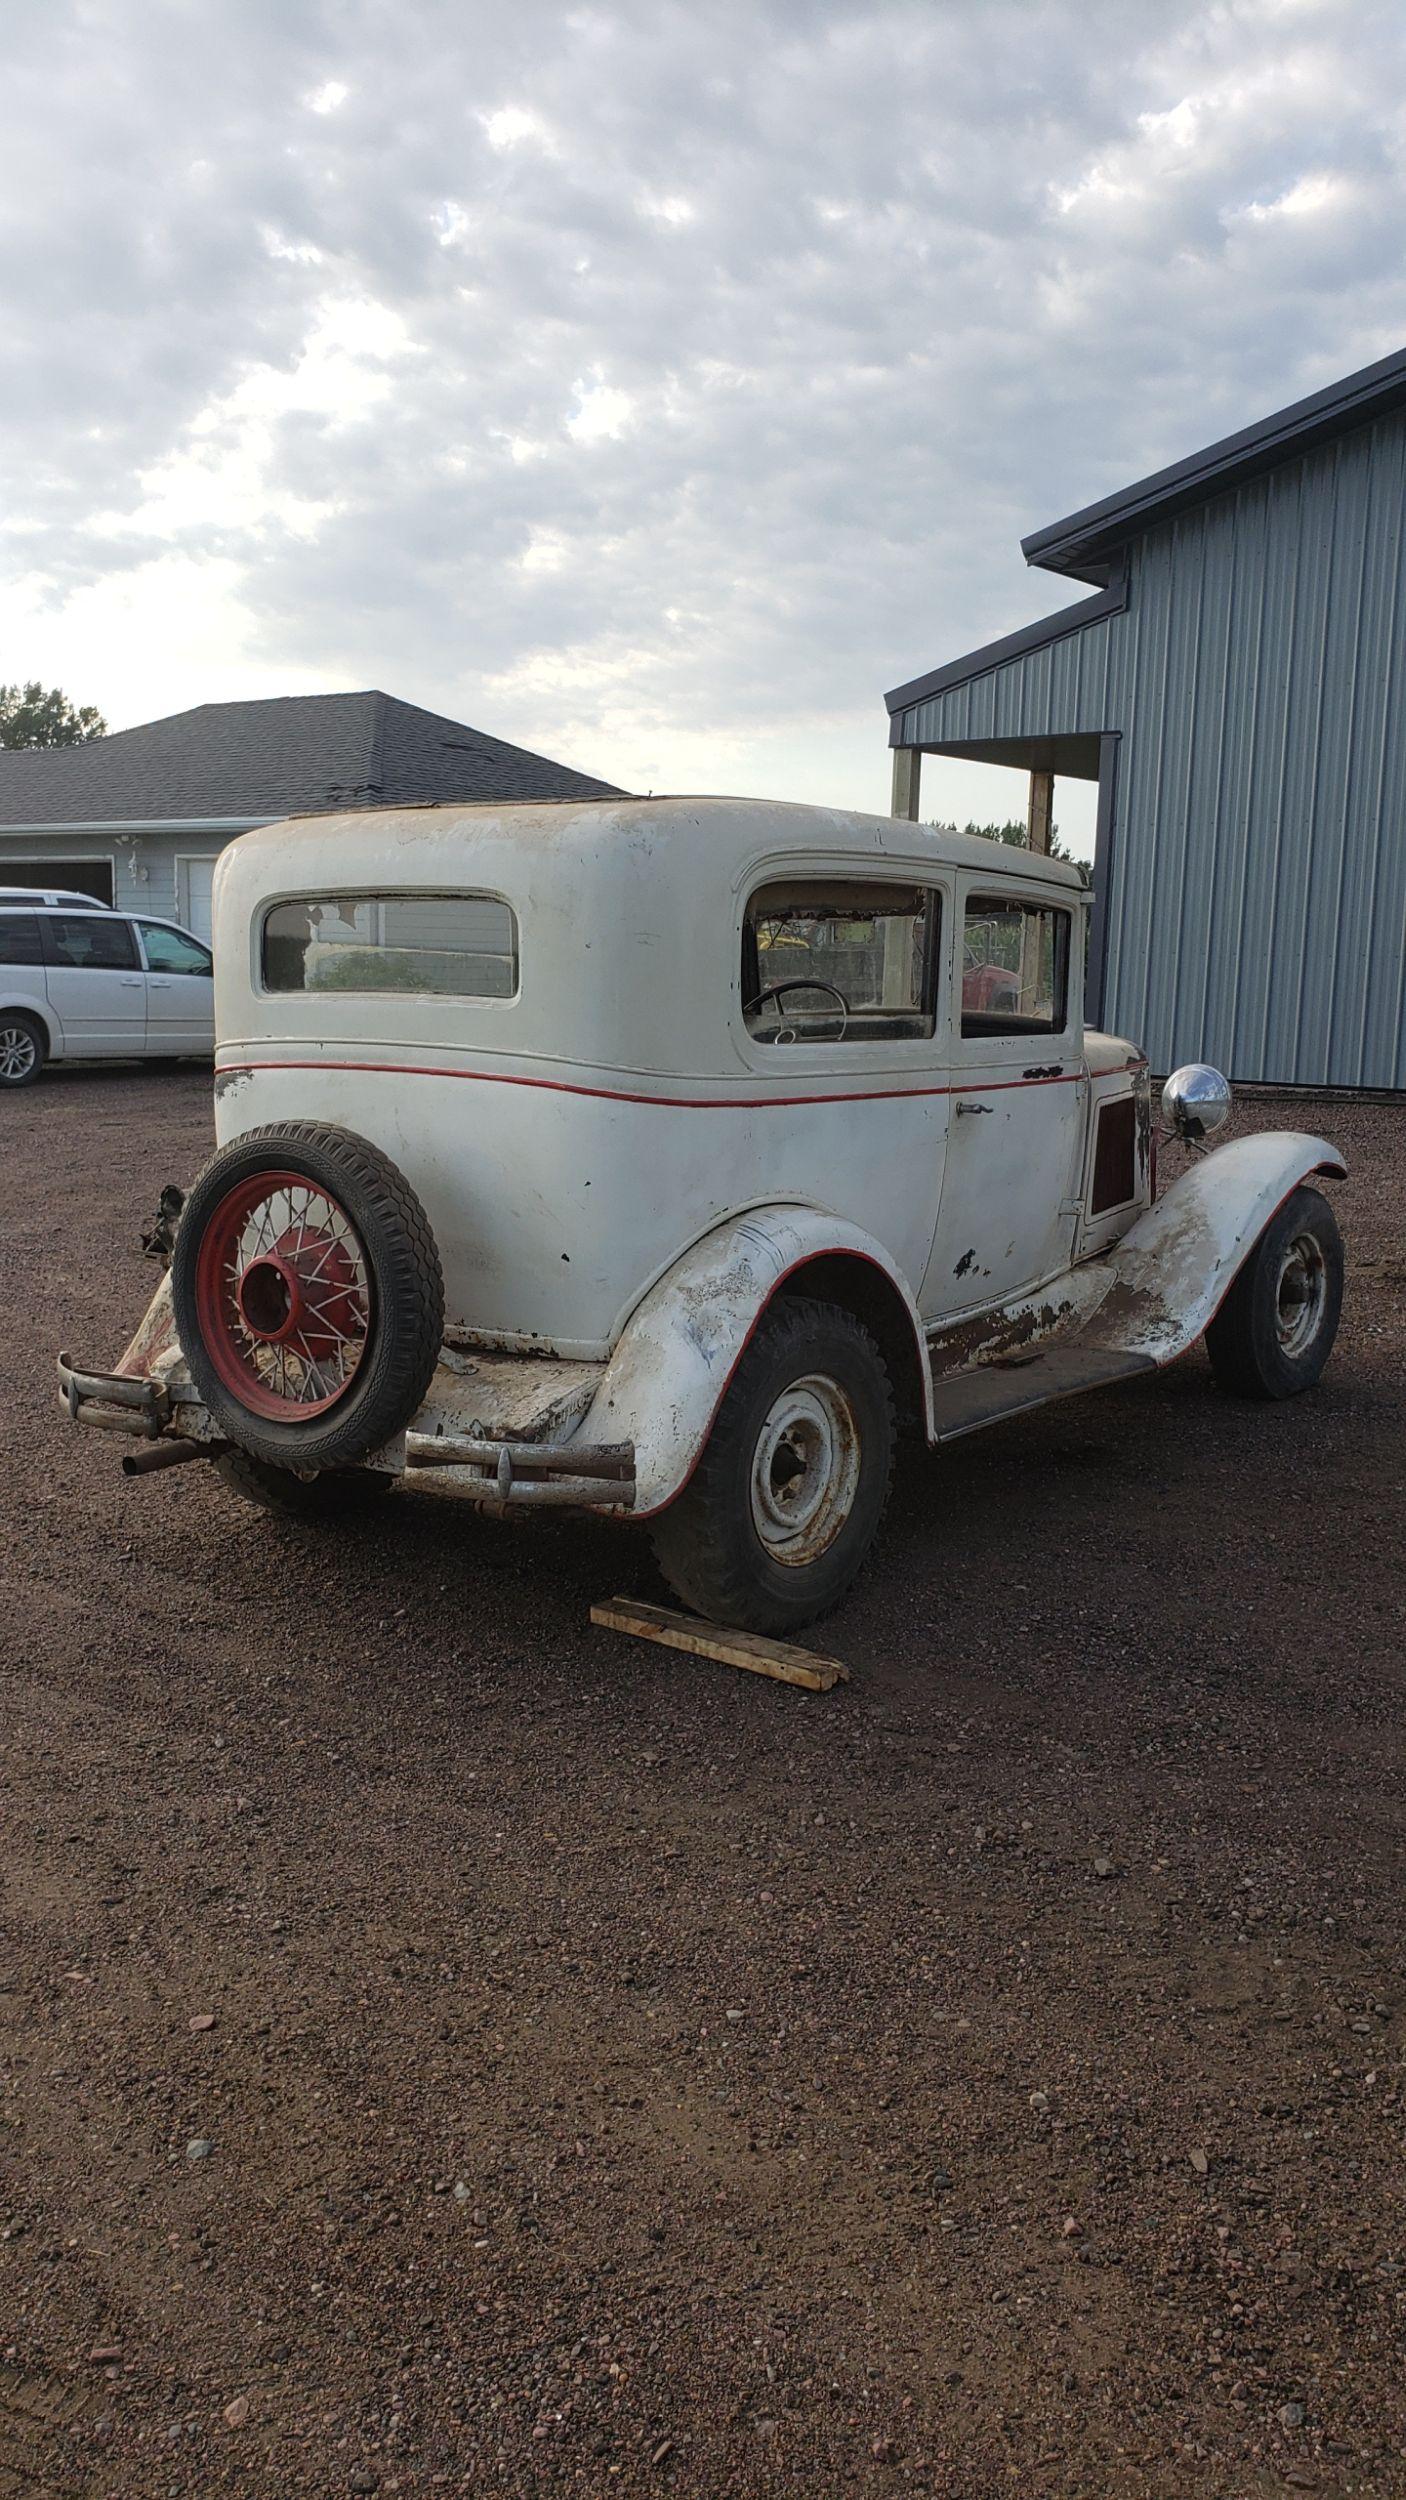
x=143 y=859
x=1257 y=680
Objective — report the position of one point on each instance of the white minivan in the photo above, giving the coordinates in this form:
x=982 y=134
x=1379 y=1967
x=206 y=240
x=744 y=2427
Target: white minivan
x=97 y=984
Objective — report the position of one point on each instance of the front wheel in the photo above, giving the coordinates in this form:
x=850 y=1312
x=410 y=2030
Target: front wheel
x=787 y=1498
x=1275 y=1329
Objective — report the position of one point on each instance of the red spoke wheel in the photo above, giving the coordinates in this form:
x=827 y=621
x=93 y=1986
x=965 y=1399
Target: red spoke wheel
x=308 y=1295
x=284 y=1296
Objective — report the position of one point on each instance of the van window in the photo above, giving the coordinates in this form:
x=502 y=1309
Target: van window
x=449 y=945
x=170 y=950
x=19 y=938
x=88 y=941
x=832 y=959
x=1015 y=967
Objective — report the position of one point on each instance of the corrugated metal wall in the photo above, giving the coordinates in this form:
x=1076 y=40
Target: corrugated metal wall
x=1257 y=907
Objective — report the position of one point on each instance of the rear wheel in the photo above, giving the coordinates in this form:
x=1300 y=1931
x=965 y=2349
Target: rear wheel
x=1275 y=1329
x=787 y=1498
x=24 y=1047
x=307 y=1294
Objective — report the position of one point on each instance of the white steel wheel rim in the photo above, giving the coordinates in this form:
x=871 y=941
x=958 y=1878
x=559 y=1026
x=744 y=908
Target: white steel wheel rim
x=1302 y=1294
x=805 y=1470
x=18 y=1052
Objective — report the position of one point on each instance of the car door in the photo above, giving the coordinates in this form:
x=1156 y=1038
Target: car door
x=1008 y=1209
x=180 y=993
x=96 y=982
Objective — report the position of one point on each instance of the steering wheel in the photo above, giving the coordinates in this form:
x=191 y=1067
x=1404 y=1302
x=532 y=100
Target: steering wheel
x=776 y=991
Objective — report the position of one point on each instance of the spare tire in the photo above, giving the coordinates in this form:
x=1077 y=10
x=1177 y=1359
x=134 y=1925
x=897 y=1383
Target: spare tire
x=308 y=1294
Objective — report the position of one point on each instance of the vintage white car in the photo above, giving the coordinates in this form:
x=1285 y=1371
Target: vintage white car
x=666 y=1157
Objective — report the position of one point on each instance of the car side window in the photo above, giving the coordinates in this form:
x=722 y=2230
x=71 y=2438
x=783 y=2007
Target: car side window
x=1015 y=966
x=89 y=942
x=170 y=950
x=840 y=959
x=19 y=938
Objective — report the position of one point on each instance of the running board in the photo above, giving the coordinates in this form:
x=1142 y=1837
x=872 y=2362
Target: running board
x=965 y=1401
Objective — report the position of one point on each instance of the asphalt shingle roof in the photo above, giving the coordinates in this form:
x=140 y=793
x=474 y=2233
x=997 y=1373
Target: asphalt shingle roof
x=290 y=755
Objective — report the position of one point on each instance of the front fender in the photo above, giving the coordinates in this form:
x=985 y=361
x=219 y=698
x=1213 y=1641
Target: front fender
x=1173 y=1269
x=672 y=1363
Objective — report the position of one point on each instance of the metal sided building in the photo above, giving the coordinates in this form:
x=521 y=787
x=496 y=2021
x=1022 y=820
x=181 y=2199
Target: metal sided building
x=1236 y=686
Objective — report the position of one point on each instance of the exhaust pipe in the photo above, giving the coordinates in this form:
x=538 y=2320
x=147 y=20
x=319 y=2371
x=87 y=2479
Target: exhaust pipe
x=159 y=1454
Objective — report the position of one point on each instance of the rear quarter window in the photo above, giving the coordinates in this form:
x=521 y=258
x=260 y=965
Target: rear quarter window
x=19 y=938
x=443 y=945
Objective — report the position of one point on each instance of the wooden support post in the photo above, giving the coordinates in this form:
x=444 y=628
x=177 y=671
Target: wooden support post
x=1039 y=815
x=907 y=773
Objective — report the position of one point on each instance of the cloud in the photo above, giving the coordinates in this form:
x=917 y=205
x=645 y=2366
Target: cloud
x=651 y=382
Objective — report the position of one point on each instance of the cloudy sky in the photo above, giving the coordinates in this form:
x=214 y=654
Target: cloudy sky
x=653 y=384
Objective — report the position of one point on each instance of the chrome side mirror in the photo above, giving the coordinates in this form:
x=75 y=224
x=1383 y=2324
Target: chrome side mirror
x=1196 y=1102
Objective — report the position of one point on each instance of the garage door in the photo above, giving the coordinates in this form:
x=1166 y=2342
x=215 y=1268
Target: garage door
x=74 y=876
x=193 y=895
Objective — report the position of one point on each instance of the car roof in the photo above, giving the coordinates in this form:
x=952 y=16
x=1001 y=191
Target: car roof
x=35 y=896
x=724 y=834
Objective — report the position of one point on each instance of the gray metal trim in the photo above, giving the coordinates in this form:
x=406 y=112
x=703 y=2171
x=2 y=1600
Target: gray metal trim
x=1085 y=539
x=141 y=824
x=1110 y=601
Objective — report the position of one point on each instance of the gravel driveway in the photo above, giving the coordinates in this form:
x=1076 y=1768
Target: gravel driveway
x=450 y=2048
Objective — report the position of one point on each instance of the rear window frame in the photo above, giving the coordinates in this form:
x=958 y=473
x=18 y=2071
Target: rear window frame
x=382 y=893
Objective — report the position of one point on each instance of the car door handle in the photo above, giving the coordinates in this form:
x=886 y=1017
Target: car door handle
x=973 y=1110
x=131 y=980
x=155 y=982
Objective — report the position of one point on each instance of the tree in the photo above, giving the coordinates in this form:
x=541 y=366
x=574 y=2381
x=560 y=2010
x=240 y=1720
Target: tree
x=1014 y=832
x=1016 y=836
x=42 y=716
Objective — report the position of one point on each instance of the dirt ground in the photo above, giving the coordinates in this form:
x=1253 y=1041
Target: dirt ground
x=450 y=2048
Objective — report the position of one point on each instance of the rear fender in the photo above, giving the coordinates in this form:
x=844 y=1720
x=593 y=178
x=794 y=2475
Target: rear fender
x=1173 y=1269
x=666 y=1379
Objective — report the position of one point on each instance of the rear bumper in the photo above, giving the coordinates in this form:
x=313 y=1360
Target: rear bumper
x=115 y=1401
x=515 y=1474
x=571 y=1475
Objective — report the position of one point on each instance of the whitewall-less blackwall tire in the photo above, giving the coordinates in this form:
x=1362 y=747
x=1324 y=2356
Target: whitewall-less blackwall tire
x=1275 y=1329
x=787 y=1498
x=24 y=1047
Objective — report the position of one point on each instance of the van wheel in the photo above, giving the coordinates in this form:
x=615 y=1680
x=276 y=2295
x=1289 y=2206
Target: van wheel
x=786 y=1500
x=307 y=1294
x=1275 y=1329
x=331 y=1496
x=24 y=1047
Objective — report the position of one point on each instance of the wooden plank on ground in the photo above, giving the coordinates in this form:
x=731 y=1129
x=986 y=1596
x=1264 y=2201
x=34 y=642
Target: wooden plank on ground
x=714 y=1640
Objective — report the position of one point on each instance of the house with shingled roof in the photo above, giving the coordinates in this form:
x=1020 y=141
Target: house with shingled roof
x=139 y=818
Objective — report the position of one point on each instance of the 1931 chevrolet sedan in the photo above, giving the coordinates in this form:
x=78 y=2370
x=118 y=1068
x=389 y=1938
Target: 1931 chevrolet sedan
x=664 y=1157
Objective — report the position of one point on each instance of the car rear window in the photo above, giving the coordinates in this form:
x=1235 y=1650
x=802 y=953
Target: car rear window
x=449 y=945
x=19 y=938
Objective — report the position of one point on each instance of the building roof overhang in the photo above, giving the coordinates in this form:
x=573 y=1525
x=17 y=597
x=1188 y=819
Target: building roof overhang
x=1085 y=543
